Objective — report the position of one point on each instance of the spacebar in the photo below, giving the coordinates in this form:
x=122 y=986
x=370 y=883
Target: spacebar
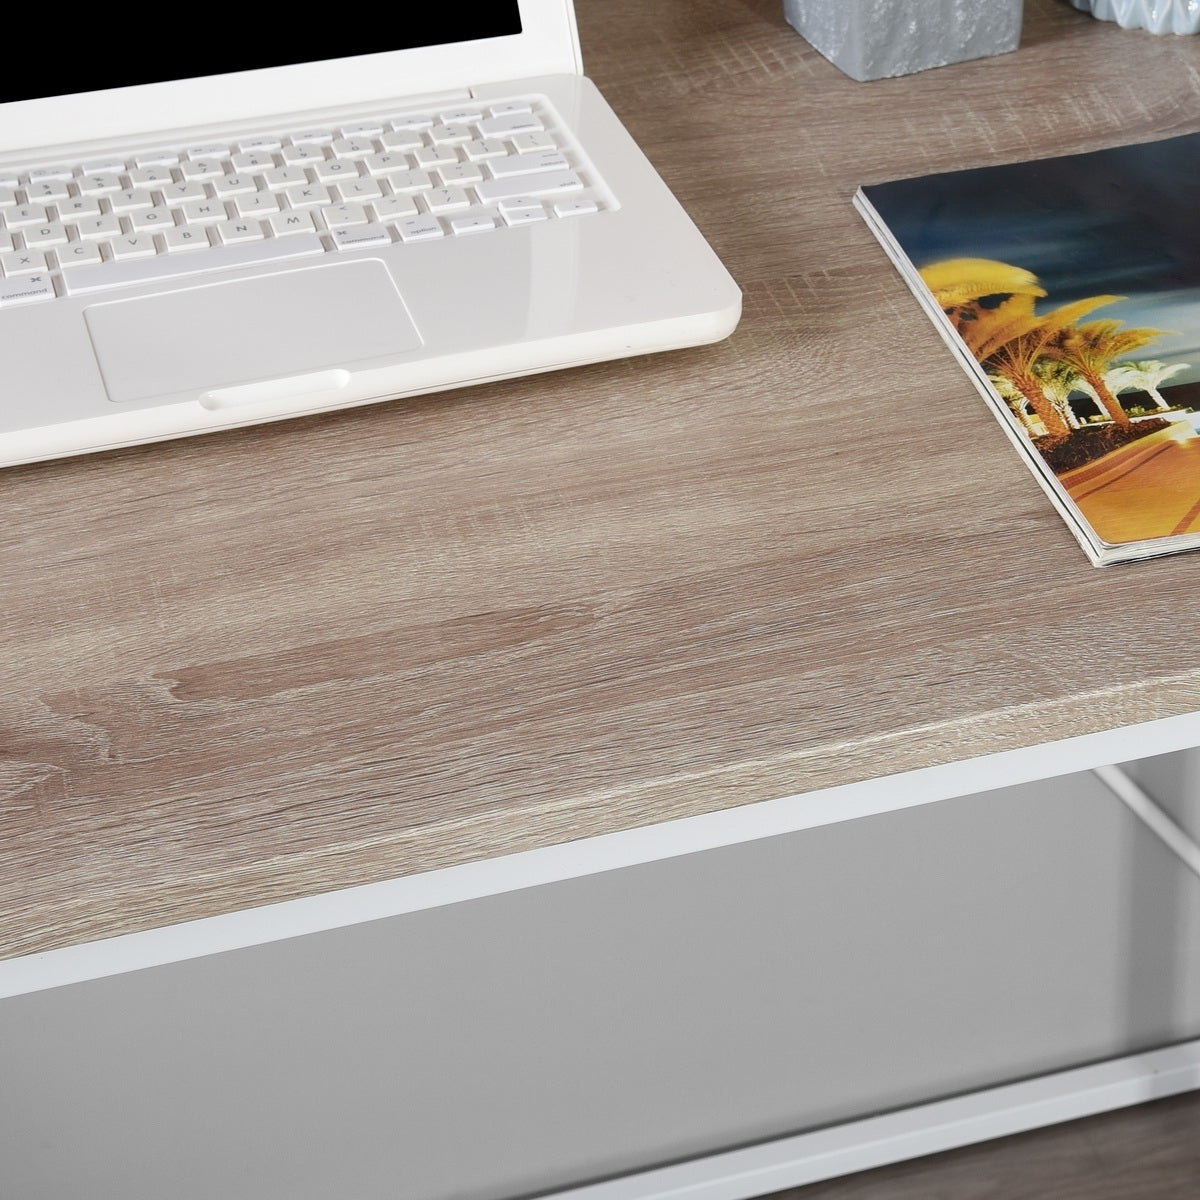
x=96 y=277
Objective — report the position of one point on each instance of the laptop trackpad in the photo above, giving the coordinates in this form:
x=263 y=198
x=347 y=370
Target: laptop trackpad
x=221 y=335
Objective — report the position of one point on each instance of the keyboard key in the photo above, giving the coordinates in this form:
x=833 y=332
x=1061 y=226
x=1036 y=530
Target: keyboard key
x=464 y=115
x=54 y=172
x=393 y=208
x=575 y=206
x=449 y=135
x=410 y=182
x=233 y=185
x=401 y=139
x=353 y=147
x=253 y=160
x=98 y=184
x=509 y=107
x=312 y=137
x=412 y=121
x=151 y=219
x=77 y=208
x=202 y=168
x=285 y=223
x=357 y=190
x=528 y=164
x=442 y=199
x=106 y=226
x=419 y=229
x=212 y=151
x=461 y=174
x=25 y=290
x=24 y=215
x=156 y=158
x=114 y=274
x=510 y=123
x=8 y=197
x=132 y=245
x=177 y=193
x=78 y=253
x=308 y=197
x=259 y=145
x=478 y=150
x=434 y=156
x=306 y=152
x=145 y=176
x=203 y=212
x=284 y=177
x=492 y=190
x=361 y=236
x=38 y=237
x=522 y=212
x=233 y=233
x=101 y=166
x=387 y=163
x=333 y=169
x=526 y=143
x=130 y=200
x=362 y=129
x=176 y=240
x=47 y=191
x=471 y=223
x=258 y=204
x=340 y=216
x=22 y=262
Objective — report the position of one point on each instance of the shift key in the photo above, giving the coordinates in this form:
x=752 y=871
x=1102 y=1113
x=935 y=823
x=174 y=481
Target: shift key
x=491 y=190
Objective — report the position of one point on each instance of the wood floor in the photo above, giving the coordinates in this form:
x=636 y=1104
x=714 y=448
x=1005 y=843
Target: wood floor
x=1150 y=1152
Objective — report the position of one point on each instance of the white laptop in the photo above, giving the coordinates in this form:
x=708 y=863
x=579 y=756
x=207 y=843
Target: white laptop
x=439 y=201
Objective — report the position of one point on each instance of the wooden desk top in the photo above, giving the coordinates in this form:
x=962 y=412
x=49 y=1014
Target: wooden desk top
x=268 y=663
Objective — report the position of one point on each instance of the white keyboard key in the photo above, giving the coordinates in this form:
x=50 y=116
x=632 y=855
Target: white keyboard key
x=106 y=226
x=9 y=179
x=258 y=204
x=449 y=135
x=388 y=163
x=412 y=121
x=471 y=223
x=311 y=196
x=492 y=190
x=47 y=191
x=429 y=157
x=166 y=266
x=341 y=216
x=130 y=200
x=25 y=214
x=25 y=290
x=213 y=151
x=284 y=177
x=357 y=191
x=22 y=262
x=444 y=199
x=479 y=150
x=352 y=147
x=362 y=129
x=401 y=140
x=8 y=197
x=360 y=237
x=306 y=152
x=78 y=254
x=509 y=107
x=55 y=172
x=102 y=166
x=233 y=185
x=177 y=193
x=132 y=245
x=463 y=115
x=393 y=208
x=312 y=137
x=253 y=160
x=78 y=207
x=286 y=223
x=419 y=229
x=333 y=169
x=179 y=239
x=461 y=174
x=38 y=237
x=528 y=164
x=410 y=182
x=6 y=242
x=156 y=158
x=527 y=122
x=203 y=212
x=146 y=176
x=575 y=206
x=527 y=143
x=233 y=233
x=522 y=212
x=202 y=168
x=259 y=145
x=151 y=219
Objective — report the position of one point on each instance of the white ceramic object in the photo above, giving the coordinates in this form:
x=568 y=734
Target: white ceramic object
x=1158 y=16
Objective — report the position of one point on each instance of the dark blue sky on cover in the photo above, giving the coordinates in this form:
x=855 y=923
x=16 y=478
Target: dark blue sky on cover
x=1124 y=221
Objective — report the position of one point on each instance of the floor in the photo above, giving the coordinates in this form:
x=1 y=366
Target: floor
x=1150 y=1152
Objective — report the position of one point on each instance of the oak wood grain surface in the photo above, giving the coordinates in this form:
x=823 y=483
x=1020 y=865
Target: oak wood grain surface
x=272 y=662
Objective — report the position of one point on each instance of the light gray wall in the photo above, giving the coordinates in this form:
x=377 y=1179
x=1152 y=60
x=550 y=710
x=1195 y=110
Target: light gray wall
x=529 y=1041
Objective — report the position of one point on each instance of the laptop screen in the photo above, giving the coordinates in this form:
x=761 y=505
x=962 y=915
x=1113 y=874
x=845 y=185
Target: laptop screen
x=259 y=42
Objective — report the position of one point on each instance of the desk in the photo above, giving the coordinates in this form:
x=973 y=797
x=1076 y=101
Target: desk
x=286 y=661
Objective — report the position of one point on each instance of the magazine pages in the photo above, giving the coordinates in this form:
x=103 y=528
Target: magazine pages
x=1069 y=288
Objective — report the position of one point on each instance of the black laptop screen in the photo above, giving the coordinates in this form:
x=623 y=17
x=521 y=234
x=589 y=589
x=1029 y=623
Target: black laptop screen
x=257 y=41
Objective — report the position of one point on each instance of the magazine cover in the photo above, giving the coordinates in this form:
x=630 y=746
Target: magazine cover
x=1070 y=290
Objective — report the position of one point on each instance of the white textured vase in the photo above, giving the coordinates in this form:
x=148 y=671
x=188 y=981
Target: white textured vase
x=1158 y=16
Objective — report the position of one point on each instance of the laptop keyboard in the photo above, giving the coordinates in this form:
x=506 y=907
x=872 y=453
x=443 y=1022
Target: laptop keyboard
x=70 y=229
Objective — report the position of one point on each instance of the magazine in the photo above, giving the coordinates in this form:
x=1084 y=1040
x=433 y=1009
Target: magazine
x=1069 y=288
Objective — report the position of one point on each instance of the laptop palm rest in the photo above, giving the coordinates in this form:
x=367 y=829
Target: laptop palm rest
x=217 y=337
